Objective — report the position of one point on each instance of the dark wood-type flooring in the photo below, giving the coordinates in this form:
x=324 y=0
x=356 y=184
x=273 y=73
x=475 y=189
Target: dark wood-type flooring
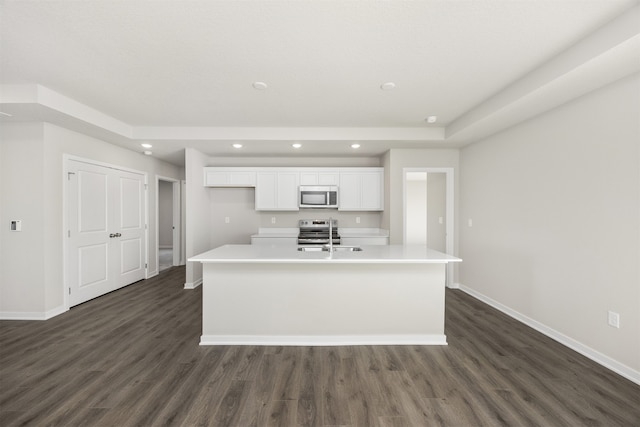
x=131 y=358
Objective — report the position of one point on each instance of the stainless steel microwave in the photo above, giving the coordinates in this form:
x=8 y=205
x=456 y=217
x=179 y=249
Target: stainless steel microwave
x=318 y=196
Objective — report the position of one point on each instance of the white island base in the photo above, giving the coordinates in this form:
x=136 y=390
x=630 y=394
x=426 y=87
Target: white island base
x=310 y=299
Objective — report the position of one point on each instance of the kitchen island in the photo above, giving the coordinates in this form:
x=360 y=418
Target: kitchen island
x=277 y=295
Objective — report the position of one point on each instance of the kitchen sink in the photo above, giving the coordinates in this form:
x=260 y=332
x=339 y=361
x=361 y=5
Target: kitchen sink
x=347 y=249
x=326 y=249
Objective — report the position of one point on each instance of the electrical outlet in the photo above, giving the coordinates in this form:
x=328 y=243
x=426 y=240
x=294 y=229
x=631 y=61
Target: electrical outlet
x=614 y=319
x=357 y=220
x=227 y=220
x=273 y=220
x=440 y=220
x=470 y=222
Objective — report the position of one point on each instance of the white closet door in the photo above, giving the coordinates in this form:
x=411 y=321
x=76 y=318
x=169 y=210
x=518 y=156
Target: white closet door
x=106 y=230
x=129 y=224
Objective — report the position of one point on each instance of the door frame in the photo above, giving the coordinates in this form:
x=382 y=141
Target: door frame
x=65 y=216
x=176 y=237
x=450 y=215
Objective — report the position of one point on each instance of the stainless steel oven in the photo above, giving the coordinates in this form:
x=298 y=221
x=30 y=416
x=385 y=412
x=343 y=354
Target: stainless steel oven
x=316 y=232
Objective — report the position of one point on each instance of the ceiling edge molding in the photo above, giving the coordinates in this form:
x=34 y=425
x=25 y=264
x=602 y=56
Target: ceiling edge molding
x=291 y=133
x=606 y=44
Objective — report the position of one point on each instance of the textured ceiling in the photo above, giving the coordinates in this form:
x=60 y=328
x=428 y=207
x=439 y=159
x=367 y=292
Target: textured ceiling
x=192 y=64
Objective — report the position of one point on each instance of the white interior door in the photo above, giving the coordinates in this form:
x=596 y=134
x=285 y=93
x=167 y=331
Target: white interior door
x=106 y=234
x=129 y=226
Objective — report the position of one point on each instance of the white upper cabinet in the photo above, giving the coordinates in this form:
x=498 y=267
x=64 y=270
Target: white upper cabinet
x=361 y=189
x=315 y=177
x=277 y=191
x=229 y=177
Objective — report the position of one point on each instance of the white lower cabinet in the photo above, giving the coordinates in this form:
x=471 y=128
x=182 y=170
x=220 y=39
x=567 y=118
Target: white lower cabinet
x=274 y=241
x=277 y=191
x=364 y=241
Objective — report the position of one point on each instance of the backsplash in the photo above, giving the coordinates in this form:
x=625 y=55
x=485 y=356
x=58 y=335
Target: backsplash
x=237 y=205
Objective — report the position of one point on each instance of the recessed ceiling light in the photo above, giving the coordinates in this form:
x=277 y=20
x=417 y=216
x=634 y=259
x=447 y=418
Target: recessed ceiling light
x=296 y=145
x=147 y=145
x=259 y=85
x=388 y=86
x=355 y=146
x=431 y=119
x=147 y=153
x=237 y=145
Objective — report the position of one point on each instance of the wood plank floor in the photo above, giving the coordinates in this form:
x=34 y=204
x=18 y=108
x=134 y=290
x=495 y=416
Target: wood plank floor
x=131 y=358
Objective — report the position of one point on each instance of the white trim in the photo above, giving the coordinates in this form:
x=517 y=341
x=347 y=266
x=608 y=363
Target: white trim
x=32 y=315
x=153 y=273
x=193 y=285
x=450 y=214
x=146 y=226
x=596 y=356
x=323 y=340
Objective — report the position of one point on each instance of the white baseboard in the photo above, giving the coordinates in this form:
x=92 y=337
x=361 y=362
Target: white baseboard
x=152 y=274
x=32 y=315
x=596 y=356
x=193 y=285
x=323 y=340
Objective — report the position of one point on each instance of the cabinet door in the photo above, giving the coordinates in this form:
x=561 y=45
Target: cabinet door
x=308 y=178
x=277 y=191
x=242 y=179
x=362 y=191
x=287 y=191
x=319 y=178
x=223 y=177
x=216 y=179
x=372 y=198
x=328 y=178
x=266 y=191
x=350 y=191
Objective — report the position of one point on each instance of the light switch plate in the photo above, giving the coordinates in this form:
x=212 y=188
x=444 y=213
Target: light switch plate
x=614 y=319
x=16 y=225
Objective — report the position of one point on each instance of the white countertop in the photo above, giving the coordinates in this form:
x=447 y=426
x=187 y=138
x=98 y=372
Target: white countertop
x=374 y=254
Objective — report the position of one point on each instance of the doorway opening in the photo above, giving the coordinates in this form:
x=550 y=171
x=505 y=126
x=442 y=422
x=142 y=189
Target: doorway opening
x=428 y=210
x=167 y=223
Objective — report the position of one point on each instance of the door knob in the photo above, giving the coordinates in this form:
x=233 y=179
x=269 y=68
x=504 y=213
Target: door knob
x=111 y=236
x=118 y=234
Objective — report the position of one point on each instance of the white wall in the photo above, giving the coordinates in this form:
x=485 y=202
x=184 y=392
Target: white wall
x=22 y=254
x=197 y=214
x=413 y=158
x=238 y=204
x=416 y=215
x=436 y=209
x=32 y=283
x=556 y=221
